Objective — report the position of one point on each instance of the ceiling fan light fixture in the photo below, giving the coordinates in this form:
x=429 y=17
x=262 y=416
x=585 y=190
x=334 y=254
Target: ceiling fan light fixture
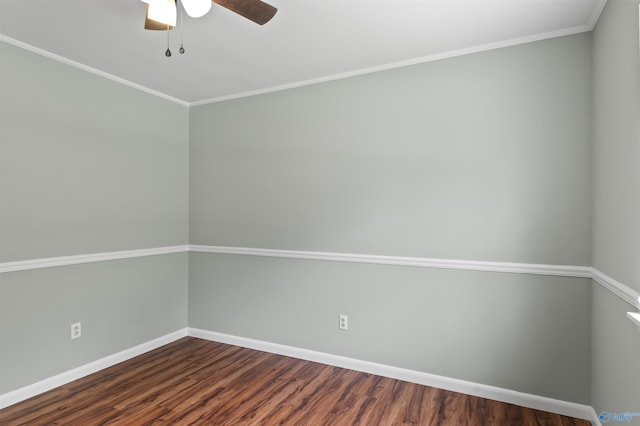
x=163 y=11
x=196 y=8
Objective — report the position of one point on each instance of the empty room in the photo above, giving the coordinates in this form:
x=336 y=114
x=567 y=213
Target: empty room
x=319 y=212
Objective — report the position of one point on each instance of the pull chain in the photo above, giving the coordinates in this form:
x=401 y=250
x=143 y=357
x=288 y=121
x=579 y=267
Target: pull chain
x=181 y=28
x=167 y=53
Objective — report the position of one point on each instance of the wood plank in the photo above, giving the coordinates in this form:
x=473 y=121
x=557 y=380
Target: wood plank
x=194 y=381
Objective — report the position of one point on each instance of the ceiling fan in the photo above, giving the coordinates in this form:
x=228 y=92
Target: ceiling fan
x=162 y=14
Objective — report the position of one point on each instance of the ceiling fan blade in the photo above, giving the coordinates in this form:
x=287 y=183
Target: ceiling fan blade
x=254 y=10
x=150 y=24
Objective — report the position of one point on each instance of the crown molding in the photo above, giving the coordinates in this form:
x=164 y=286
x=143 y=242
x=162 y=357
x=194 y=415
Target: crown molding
x=595 y=14
x=410 y=62
x=91 y=70
x=589 y=26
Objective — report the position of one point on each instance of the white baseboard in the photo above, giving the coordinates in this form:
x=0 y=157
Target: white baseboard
x=470 y=388
x=37 y=388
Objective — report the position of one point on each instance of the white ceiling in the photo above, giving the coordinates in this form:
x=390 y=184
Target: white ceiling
x=307 y=41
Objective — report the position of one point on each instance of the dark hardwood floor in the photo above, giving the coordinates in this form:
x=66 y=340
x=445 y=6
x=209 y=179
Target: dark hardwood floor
x=197 y=382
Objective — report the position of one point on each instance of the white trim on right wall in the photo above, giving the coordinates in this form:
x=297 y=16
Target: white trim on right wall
x=625 y=293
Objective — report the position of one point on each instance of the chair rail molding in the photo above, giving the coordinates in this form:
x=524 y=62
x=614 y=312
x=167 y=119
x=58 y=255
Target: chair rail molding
x=422 y=262
x=624 y=292
x=50 y=262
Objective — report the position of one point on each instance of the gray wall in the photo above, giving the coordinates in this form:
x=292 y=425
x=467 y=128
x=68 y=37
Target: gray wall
x=482 y=157
x=120 y=304
x=523 y=332
x=616 y=210
x=86 y=165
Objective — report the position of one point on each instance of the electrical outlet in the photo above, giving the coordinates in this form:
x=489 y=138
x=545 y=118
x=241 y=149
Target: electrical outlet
x=76 y=330
x=344 y=322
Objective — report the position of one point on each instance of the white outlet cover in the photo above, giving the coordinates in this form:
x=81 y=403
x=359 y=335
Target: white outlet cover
x=76 y=330
x=344 y=322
